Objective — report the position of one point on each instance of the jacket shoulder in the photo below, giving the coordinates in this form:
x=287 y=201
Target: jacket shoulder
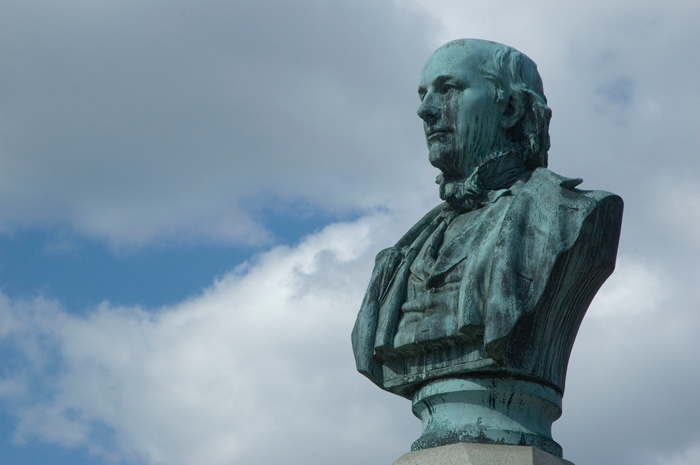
x=543 y=179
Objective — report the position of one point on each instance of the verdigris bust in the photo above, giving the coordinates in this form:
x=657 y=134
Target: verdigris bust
x=473 y=313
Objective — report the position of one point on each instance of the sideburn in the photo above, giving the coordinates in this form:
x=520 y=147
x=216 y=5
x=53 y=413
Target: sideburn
x=475 y=141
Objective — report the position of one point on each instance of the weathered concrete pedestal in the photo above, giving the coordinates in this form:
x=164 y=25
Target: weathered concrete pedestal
x=480 y=454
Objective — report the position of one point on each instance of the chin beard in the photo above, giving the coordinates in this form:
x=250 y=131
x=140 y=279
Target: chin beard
x=496 y=171
x=463 y=194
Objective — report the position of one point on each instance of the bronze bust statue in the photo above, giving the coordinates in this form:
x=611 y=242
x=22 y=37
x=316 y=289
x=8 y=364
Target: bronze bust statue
x=485 y=294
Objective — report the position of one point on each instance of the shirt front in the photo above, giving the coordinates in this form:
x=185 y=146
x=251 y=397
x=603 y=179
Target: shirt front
x=454 y=260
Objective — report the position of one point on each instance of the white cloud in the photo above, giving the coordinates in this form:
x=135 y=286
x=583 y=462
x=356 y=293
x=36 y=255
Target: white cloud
x=148 y=122
x=677 y=209
x=633 y=291
x=689 y=456
x=633 y=369
x=256 y=369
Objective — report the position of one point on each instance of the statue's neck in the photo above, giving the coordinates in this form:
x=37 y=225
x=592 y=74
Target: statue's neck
x=498 y=171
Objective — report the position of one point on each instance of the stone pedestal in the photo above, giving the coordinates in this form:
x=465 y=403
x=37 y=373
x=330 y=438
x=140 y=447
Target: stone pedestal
x=480 y=454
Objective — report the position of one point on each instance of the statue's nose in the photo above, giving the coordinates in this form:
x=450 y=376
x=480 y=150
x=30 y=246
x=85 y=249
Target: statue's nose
x=429 y=110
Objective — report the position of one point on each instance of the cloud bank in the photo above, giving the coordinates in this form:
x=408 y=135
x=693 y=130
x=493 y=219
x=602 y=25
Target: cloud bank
x=258 y=368
x=255 y=370
x=139 y=122
x=150 y=123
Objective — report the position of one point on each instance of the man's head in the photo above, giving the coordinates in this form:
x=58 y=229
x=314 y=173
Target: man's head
x=480 y=98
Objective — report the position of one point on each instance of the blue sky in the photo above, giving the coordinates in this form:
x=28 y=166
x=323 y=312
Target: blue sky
x=192 y=195
x=81 y=272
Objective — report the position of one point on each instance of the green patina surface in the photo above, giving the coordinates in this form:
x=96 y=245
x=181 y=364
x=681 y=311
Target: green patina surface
x=493 y=283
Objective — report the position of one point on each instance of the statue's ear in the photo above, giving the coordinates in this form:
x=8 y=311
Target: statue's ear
x=513 y=111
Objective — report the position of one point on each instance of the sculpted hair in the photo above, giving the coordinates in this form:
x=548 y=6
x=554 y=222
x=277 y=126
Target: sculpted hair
x=514 y=75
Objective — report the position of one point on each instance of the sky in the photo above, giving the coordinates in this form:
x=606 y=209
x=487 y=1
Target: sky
x=192 y=195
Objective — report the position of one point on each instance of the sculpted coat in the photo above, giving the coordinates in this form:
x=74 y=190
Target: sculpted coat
x=473 y=313
x=553 y=248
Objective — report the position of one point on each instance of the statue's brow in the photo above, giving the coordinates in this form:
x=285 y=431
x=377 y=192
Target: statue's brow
x=448 y=78
x=442 y=80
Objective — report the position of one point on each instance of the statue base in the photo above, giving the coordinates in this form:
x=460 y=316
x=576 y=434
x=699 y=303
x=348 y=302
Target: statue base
x=480 y=454
x=502 y=411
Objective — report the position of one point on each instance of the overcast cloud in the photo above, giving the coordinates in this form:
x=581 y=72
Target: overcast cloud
x=144 y=124
x=140 y=121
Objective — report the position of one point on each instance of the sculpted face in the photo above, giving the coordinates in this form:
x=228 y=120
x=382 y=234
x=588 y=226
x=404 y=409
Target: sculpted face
x=460 y=114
